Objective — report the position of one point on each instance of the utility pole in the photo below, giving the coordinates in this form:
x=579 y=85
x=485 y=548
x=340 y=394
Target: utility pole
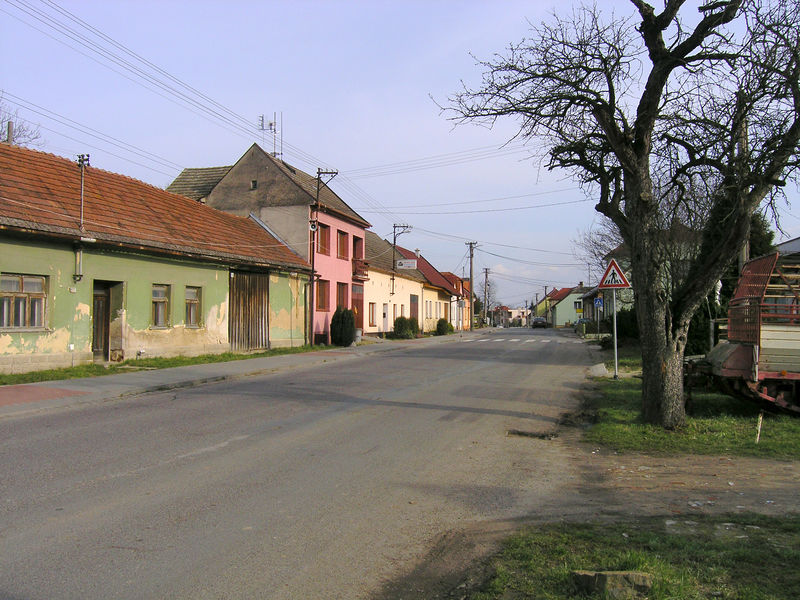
x=404 y=229
x=471 y=294
x=313 y=225
x=485 y=293
x=83 y=162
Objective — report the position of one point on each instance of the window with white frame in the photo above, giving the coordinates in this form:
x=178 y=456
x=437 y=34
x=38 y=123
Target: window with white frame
x=22 y=301
x=160 y=305
x=192 y=299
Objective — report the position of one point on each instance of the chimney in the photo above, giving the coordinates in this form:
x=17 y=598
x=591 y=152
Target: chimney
x=10 y=133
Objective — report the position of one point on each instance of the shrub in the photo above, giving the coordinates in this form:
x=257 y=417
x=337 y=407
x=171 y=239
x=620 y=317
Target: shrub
x=343 y=327
x=443 y=327
x=413 y=325
x=402 y=328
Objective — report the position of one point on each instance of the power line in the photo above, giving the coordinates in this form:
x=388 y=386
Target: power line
x=435 y=162
x=491 y=210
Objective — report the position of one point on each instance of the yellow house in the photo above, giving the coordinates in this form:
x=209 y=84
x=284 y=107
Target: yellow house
x=390 y=292
x=438 y=295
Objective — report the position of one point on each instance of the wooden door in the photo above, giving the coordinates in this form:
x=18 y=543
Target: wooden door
x=357 y=300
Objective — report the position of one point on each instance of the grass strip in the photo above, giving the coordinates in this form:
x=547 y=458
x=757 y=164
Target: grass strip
x=732 y=556
x=717 y=425
x=139 y=364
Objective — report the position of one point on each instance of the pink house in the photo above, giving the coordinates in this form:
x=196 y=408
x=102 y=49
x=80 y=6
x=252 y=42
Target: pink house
x=302 y=212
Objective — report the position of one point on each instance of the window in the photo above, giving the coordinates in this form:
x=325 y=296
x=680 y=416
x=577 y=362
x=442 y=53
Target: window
x=372 y=322
x=323 y=239
x=323 y=294
x=341 y=244
x=358 y=248
x=22 y=301
x=192 y=306
x=253 y=184
x=394 y=313
x=402 y=310
x=160 y=305
x=341 y=295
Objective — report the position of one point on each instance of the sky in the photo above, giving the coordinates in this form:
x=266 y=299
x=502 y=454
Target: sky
x=147 y=88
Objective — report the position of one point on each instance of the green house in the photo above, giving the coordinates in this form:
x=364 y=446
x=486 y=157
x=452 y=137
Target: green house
x=95 y=266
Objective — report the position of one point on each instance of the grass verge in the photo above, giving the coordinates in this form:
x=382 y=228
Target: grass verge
x=139 y=365
x=734 y=556
x=718 y=424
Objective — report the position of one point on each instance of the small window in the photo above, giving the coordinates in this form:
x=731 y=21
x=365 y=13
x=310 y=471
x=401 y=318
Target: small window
x=253 y=184
x=341 y=244
x=323 y=239
x=160 y=305
x=372 y=322
x=22 y=301
x=323 y=295
x=192 y=306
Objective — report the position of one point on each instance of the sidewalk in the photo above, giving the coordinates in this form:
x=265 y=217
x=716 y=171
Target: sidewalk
x=16 y=400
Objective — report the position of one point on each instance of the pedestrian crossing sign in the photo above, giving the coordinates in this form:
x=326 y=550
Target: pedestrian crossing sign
x=613 y=278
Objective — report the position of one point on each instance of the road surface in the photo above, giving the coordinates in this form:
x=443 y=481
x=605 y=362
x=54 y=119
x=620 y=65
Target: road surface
x=329 y=482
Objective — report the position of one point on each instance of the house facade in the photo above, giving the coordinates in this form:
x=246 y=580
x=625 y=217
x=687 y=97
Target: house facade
x=389 y=292
x=438 y=294
x=302 y=212
x=566 y=305
x=460 y=304
x=95 y=266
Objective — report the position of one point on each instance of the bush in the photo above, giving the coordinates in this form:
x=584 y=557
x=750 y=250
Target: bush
x=413 y=325
x=343 y=327
x=443 y=327
x=402 y=328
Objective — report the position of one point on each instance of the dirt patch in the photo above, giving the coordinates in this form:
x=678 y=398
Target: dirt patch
x=612 y=487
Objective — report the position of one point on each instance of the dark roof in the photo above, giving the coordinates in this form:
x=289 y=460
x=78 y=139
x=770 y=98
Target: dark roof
x=378 y=253
x=197 y=183
x=41 y=193
x=434 y=277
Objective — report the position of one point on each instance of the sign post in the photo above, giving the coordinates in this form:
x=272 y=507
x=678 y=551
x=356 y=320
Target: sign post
x=614 y=279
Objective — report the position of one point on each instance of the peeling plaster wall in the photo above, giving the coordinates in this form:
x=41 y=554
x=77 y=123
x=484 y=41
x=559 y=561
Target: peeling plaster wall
x=287 y=315
x=66 y=338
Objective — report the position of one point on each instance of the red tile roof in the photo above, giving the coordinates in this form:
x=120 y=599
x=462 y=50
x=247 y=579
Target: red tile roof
x=41 y=193
x=433 y=276
x=558 y=296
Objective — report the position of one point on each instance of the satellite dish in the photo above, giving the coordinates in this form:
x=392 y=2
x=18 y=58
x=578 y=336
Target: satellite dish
x=312 y=225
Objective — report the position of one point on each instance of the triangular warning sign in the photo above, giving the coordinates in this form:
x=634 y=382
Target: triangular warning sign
x=613 y=278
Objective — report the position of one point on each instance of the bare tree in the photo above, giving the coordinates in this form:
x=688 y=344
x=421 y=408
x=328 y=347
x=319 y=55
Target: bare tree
x=676 y=122
x=22 y=133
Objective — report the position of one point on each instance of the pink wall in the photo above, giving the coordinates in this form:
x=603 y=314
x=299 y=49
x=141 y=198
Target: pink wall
x=333 y=269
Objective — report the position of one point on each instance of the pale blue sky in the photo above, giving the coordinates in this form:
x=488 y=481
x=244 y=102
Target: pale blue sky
x=353 y=82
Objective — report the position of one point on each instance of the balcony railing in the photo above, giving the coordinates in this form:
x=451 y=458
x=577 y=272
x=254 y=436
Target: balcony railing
x=360 y=269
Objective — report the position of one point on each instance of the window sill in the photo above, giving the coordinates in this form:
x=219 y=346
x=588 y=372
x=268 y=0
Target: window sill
x=25 y=330
x=160 y=327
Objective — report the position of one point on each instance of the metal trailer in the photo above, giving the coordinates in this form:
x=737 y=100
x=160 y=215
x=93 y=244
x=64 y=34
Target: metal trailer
x=760 y=360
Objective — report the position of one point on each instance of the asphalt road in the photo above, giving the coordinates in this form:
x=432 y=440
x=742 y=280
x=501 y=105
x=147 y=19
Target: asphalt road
x=328 y=482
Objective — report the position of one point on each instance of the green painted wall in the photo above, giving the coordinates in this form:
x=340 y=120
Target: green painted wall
x=287 y=315
x=67 y=317
x=67 y=337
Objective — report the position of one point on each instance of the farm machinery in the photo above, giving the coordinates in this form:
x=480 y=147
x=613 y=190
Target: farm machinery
x=760 y=360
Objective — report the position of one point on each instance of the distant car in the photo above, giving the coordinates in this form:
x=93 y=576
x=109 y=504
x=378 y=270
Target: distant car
x=579 y=322
x=538 y=322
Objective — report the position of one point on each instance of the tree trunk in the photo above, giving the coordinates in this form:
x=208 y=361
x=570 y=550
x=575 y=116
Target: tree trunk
x=662 y=362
